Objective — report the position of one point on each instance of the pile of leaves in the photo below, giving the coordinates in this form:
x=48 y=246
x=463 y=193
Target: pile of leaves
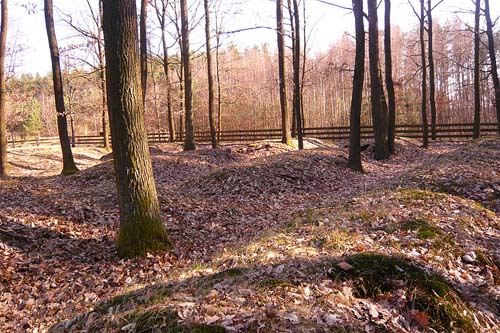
x=265 y=239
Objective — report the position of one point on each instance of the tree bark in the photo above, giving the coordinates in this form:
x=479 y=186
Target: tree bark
x=144 y=48
x=4 y=168
x=210 y=77
x=189 y=143
x=69 y=166
x=378 y=112
x=425 y=129
x=357 y=90
x=388 y=79
x=141 y=228
x=477 y=74
x=286 y=136
x=297 y=100
x=493 y=59
x=102 y=74
x=432 y=71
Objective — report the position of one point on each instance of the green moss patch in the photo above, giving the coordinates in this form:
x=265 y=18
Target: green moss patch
x=374 y=274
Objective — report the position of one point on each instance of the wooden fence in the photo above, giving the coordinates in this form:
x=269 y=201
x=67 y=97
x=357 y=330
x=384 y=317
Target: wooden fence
x=443 y=132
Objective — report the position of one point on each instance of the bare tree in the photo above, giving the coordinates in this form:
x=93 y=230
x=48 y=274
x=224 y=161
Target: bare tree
x=286 y=136
x=141 y=228
x=210 y=78
x=69 y=165
x=357 y=89
x=432 y=70
x=477 y=73
x=388 y=78
x=143 y=21
x=297 y=100
x=4 y=169
x=377 y=94
x=493 y=59
x=189 y=143
x=161 y=14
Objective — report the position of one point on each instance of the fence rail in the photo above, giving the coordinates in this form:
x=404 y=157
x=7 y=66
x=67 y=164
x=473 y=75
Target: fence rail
x=443 y=131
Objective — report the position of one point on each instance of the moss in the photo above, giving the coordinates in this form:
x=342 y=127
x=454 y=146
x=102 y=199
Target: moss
x=211 y=280
x=375 y=274
x=410 y=195
x=137 y=238
x=426 y=231
x=165 y=320
x=307 y=217
x=270 y=283
x=66 y=171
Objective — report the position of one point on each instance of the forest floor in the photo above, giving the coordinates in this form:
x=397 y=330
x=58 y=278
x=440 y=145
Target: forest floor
x=266 y=239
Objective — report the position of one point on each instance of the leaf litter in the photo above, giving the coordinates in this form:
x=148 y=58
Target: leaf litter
x=264 y=237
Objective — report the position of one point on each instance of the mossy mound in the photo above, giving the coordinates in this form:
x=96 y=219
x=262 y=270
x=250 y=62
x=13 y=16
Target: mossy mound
x=375 y=274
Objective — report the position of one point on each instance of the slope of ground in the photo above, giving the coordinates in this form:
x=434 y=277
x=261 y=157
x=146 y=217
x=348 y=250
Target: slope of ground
x=266 y=239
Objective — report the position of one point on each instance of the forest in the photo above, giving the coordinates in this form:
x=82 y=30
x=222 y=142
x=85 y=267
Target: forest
x=168 y=174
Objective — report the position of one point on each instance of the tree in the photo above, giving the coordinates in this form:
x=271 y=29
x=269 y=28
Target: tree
x=432 y=71
x=297 y=98
x=161 y=11
x=388 y=78
x=189 y=143
x=4 y=170
x=286 y=136
x=425 y=129
x=493 y=59
x=144 y=47
x=141 y=228
x=211 y=102
x=357 y=89
x=69 y=166
x=379 y=114
x=477 y=73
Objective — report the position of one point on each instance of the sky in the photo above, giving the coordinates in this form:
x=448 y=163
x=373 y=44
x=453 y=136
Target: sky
x=326 y=24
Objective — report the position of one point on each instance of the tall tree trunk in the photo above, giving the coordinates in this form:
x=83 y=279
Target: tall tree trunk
x=432 y=71
x=425 y=129
x=286 y=136
x=211 y=102
x=69 y=166
x=477 y=73
x=493 y=59
x=102 y=74
x=219 y=90
x=391 y=134
x=357 y=89
x=4 y=169
x=189 y=143
x=144 y=47
x=141 y=228
x=378 y=112
x=161 y=13
x=297 y=100
x=292 y=35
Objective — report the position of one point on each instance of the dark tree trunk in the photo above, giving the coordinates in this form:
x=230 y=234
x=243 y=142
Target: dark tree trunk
x=286 y=136
x=144 y=47
x=493 y=59
x=297 y=99
x=141 y=228
x=292 y=35
x=432 y=71
x=391 y=134
x=378 y=112
x=102 y=73
x=477 y=74
x=69 y=166
x=425 y=127
x=211 y=101
x=219 y=90
x=357 y=89
x=4 y=169
x=189 y=143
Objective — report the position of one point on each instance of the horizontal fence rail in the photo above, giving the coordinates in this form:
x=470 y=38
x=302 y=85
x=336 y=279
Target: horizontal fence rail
x=442 y=131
